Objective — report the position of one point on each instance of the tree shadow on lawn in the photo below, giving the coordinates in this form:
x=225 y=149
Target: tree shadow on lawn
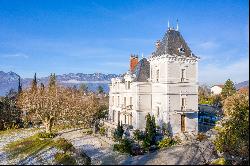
x=69 y=130
x=27 y=146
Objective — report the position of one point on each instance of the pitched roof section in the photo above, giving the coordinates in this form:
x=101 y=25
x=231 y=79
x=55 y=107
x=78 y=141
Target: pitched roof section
x=221 y=85
x=173 y=43
x=142 y=70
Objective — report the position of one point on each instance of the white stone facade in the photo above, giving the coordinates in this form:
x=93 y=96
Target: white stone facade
x=170 y=94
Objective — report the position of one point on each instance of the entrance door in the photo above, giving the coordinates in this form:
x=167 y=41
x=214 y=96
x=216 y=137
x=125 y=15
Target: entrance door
x=183 y=125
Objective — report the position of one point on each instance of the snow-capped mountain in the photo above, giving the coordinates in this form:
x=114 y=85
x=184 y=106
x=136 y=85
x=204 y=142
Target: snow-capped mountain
x=10 y=80
x=7 y=81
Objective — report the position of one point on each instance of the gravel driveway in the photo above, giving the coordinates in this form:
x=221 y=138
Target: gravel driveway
x=195 y=153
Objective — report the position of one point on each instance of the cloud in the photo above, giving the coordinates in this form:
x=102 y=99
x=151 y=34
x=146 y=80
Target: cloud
x=215 y=74
x=17 y=55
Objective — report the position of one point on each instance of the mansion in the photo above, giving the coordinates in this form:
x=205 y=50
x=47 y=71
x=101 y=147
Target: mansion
x=164 y=85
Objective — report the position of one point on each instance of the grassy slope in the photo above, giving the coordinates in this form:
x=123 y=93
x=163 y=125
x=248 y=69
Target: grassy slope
x=32 y=145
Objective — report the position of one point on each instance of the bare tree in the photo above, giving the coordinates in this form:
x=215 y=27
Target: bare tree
x=54 y=104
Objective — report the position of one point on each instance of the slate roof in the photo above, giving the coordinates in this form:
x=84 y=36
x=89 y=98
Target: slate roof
x=142 y=71
x=171 y=43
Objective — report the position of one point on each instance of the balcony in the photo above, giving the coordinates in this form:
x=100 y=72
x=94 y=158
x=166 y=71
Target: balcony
x=184 y=109
x=128 y=107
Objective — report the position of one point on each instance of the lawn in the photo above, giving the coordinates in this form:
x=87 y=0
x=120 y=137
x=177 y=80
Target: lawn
x=32 y=145
x=27 y=146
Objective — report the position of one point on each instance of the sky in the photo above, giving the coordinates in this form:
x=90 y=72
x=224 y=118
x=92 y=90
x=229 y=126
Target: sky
x=89 y=36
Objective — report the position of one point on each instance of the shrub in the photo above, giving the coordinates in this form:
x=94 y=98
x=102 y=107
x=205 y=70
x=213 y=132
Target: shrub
x=89 y=132
x=64 y=159
x=138 y=135
x=201 y=136
x=102 y=131
x=219 y=161
x=137 y=150
x=165 y=129
x=177 y=139
x=146 y=144
x=125 y=146
x=167 y=142
x=63 y=144
x=46 y=135
x=118 y=132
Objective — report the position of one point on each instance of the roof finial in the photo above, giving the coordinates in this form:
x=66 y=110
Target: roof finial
x=168 y=24
x=177 y=26
x=142 y=56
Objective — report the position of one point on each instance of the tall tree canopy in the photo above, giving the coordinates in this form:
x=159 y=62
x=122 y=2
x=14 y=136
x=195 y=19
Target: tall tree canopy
x=55 y=104
x=233 y=134
x=228 y=89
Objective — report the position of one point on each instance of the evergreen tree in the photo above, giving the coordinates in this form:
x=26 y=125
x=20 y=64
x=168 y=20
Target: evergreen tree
x=84 y=88
x=52 y=81
x=100 y=89
x=150 y=129
x=19 y=85
x=34 y=84
x=118 y=132
x=42 y=87
x=228 y=89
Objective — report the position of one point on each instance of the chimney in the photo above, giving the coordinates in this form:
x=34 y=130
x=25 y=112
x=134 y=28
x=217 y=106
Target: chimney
x=157 y=44
x=133 y=62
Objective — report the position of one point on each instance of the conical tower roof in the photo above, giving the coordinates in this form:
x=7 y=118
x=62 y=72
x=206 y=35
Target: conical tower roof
x=173 y=44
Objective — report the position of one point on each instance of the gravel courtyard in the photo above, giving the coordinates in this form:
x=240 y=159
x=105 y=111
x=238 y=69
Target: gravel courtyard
x=101 y=152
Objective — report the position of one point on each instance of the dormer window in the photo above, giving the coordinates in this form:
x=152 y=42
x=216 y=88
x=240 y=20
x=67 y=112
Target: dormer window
x=181 y=50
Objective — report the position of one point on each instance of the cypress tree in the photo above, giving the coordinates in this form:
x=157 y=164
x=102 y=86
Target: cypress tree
x=150 y=129
x=34 y=84
x=52 y=81
x=42 y=87
x=19 y=85
x=118 y=132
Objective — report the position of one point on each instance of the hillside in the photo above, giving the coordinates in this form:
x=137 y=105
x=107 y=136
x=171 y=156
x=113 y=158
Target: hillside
x=242 y=84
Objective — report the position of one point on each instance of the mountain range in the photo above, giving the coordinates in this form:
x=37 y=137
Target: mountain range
x=9 y=80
